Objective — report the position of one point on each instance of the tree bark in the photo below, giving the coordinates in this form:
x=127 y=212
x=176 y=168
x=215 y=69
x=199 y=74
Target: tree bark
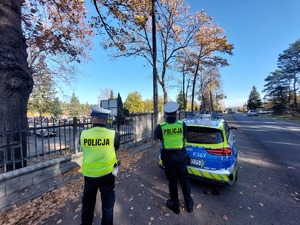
x=295 y=88
x=15 y=78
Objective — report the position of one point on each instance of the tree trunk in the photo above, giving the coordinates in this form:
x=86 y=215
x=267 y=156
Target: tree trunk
x=15 y=79
x=295 y=89
x=193 y=91
x=183 y=87
x=194 y=81
x=211 y=100
x=165 y=94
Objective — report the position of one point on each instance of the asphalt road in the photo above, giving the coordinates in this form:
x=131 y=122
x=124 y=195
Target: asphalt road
x=266 y=192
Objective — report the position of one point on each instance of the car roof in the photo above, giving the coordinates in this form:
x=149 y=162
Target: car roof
x=204 y=121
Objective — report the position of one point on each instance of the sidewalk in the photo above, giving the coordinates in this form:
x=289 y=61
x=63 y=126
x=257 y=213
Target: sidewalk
x=141 y=192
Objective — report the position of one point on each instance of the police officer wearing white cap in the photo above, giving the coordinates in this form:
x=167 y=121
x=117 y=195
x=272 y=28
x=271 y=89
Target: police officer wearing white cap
x=172 y=133
x=99 y=166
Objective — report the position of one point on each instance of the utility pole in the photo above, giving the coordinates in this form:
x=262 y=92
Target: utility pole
x=155 y=95
x=183 y=87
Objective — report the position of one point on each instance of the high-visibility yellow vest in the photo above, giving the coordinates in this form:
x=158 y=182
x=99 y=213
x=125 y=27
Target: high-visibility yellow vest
x=172 y=135
x=99 y=155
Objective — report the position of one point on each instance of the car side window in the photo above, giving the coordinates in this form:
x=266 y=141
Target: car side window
x=227 y=130
x=218 y=137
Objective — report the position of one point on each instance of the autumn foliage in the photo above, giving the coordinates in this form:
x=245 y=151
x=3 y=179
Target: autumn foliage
x=56 y=27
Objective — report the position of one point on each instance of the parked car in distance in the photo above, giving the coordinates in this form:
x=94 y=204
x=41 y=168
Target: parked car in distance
x=211 y=147
x=217 y=114
x=46 y=131
x=252 y=112
x=265 y=111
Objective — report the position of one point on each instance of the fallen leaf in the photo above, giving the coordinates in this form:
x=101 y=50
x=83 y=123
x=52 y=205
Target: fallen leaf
x=225 y=217
x=198 y=206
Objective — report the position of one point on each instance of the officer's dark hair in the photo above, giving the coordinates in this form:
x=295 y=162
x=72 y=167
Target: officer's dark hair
x=99 y=120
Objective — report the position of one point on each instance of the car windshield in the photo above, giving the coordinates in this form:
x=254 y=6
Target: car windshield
x=204 y=135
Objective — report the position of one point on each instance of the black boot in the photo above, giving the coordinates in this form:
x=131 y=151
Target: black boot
x=189 y=204
x=171 y=206
x=189 y=209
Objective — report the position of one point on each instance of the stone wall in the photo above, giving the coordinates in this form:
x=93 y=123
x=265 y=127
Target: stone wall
x=143 y=126
x=29 y=182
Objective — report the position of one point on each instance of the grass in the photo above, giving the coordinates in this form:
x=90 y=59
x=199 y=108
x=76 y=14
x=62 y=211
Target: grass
x=291 y=117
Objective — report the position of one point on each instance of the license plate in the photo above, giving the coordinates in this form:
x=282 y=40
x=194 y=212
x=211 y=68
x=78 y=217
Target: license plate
x=196 y=162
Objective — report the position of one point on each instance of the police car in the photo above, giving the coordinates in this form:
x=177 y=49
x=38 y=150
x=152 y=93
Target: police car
x=211 y=147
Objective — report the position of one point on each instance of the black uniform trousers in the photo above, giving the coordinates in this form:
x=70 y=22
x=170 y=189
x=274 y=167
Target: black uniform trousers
x=106 y=186
x=174 y=175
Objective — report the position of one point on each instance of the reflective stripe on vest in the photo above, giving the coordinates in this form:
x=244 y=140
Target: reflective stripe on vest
x=172 y=135
x=99 y=155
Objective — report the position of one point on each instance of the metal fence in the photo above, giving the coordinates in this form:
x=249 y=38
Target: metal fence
x=46 y=139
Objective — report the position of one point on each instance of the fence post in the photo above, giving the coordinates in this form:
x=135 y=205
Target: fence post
x=134 y=124
x=75 y=135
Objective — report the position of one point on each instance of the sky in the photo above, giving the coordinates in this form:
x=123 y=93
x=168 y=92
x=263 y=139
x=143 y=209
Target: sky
x=260 y=30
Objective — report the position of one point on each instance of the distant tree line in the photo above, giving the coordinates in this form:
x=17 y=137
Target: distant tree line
x=43 y=102
x=282 y=85
x=41 y=105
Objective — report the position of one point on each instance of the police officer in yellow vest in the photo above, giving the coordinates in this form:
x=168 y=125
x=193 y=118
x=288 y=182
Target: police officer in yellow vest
x=99 y=165
x=172 y=133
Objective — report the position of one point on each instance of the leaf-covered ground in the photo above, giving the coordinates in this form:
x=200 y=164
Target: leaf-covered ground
x=35 y=211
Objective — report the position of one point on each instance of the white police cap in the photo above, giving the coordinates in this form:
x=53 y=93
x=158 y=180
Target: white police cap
x=99 y=112
x=171 y=107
